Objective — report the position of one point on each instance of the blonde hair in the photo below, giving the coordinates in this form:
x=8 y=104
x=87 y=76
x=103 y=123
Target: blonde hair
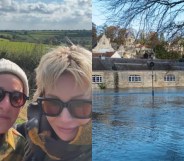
x=75 y=60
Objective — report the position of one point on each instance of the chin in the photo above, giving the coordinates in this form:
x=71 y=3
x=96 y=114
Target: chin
x=66 y=138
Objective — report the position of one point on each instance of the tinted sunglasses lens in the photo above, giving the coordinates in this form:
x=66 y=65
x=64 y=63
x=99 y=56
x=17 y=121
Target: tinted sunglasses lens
x=81 y=109
x=2 y=94
x=17 y=99
x=51 y=107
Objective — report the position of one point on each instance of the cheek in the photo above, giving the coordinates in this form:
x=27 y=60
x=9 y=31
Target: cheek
x=81 y=122
x=51 y=121
x=15 y=113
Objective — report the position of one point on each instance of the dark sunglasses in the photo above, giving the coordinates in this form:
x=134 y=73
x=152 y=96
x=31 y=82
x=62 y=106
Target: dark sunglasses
x=81 y=109
x=17 y=99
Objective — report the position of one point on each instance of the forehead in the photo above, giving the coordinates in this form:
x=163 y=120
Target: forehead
x=10 y=82
x=67 y=87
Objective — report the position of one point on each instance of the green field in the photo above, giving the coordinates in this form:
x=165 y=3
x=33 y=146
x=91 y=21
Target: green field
x=50 y=37
x=20 y=48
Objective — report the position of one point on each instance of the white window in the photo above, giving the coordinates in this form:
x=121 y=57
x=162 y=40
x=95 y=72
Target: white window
x=134 y=78
x=97 y=79
x=169 y=78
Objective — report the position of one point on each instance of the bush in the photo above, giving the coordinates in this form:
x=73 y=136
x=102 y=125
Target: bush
x=102 y=86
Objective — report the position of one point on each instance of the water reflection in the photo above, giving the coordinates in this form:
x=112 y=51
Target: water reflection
x=129 y=126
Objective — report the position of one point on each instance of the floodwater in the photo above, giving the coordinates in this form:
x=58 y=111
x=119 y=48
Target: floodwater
x=129 y=125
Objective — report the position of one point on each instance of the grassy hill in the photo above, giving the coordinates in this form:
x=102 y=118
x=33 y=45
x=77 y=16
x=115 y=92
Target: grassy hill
x=19 y=48
x=50 y=37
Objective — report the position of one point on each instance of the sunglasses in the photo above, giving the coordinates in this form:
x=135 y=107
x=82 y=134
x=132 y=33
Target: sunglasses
x=17 y=99
x=52 y=107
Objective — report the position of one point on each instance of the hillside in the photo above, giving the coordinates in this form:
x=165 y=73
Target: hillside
x=50 y=37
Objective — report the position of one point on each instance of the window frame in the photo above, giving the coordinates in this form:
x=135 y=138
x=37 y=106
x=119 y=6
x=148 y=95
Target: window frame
x=97 y=79
x=134 y=78
x=169 y=78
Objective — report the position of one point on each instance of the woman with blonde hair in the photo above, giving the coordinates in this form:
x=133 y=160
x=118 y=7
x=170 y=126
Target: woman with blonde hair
x=59 y=125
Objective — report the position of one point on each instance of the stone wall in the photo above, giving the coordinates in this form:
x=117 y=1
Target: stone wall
x=120 y=79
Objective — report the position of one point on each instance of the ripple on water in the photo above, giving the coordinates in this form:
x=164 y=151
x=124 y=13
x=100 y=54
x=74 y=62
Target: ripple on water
x=129 y=127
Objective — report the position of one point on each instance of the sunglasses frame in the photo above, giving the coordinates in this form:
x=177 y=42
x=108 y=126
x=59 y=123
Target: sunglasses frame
x=11 y=96
x=63 y=105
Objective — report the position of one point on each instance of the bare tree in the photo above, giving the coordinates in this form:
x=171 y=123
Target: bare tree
x=161 y=16
x=94 y=34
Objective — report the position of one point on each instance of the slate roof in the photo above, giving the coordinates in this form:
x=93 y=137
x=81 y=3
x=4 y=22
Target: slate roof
x=106 y=54
x=134 y=64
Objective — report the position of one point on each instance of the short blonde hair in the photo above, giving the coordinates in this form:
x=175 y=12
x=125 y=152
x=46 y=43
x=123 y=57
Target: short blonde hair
x=75 y=60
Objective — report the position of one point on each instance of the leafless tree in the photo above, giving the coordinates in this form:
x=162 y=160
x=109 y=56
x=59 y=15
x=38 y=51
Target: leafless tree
x=94 y=34
x=161 y=16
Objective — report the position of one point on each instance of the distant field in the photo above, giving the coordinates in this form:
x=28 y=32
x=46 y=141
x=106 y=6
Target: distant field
x=50 y=37
x=21 y=48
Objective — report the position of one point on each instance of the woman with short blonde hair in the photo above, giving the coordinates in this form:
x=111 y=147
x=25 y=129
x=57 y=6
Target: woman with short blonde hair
x=59 y=126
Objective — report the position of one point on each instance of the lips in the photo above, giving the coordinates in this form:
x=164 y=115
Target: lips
x=66 y=130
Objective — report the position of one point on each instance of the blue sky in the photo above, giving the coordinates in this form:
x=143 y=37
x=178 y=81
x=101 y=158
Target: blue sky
x=45 y=14
x=97 y=17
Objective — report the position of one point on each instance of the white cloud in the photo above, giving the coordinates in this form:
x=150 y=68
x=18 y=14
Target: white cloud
x=22 y=14
x=5 y=3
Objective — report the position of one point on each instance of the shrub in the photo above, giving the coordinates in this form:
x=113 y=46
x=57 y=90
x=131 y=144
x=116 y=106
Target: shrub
x=102 y=86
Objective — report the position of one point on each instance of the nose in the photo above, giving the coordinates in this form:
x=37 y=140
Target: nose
x=5 y=104
x=65 y=115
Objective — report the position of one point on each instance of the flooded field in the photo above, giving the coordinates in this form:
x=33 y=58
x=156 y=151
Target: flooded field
x=130 y=125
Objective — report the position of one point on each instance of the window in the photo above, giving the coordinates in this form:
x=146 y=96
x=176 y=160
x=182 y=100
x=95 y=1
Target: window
x=134 y=78
x=169 y=78
x=97 y=79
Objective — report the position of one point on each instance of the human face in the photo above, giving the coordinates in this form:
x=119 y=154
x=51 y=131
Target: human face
x=64 y=125
x=8 y=113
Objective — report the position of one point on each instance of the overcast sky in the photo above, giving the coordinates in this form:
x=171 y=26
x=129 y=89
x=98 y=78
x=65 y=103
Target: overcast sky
x=45 y=14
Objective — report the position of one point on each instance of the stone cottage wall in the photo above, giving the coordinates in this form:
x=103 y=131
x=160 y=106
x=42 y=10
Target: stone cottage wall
x=120 y=79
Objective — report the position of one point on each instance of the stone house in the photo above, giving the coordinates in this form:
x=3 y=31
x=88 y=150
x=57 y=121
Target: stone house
x=103 y=46
x=128 y=50
x=128 y=73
